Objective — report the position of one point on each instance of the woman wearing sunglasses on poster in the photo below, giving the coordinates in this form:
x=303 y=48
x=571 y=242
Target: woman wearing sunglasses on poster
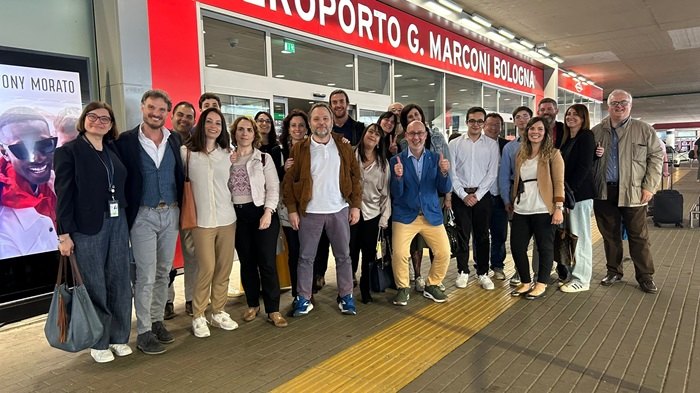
x=27 y=200
x=91 y=220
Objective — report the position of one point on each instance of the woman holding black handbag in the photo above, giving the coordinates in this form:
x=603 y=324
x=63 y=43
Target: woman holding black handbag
x=578 y=150
x=91 y=222
x=376 y=206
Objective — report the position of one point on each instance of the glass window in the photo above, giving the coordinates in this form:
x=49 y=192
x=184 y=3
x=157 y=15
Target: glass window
x=373 y=75
x=422 y=87
x=301 y=61
x=234 y=106
x=461 y=94
x=490 y=99
x=234 y=48
x=507 y=101
x=369 y=116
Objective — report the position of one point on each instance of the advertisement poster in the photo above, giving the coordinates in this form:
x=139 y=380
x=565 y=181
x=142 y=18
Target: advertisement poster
x=38 y=111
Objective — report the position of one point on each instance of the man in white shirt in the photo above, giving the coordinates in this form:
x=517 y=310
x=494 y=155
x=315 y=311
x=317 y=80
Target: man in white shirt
x=323 y=190
x=474 y=167
x=151 y=154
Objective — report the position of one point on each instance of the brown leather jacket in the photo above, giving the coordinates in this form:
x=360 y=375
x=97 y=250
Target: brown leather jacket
x=297 y=183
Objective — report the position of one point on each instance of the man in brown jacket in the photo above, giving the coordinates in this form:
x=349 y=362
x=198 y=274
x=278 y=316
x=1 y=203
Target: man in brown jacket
x=323 y=189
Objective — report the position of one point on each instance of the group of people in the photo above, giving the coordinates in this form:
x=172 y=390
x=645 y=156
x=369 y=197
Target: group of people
x=328 y=179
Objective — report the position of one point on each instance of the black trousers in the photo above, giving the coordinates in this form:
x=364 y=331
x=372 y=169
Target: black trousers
x=522 y=227
x=256 y=251
x=363 y=237
x=322 y=253
x=474 y=220
x=292 y=238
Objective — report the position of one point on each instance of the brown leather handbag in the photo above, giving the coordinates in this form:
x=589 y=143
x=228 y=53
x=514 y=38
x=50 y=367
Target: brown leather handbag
x=188 y=210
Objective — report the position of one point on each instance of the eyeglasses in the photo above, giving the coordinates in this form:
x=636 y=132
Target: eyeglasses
x=42 y=146
x=414 y=134
x=474 y=121
x=261 y=120
x=619 y=103
x=102 y=119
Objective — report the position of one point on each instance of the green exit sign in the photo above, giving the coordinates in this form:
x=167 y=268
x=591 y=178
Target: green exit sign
x=289 y=47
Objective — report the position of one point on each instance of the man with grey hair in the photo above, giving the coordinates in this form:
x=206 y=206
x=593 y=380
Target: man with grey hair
x=626 y=173
x=151 y=154
x=323 y=190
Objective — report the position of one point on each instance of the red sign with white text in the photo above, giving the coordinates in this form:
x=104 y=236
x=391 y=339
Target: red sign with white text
x=375 y=26
x=566 y=82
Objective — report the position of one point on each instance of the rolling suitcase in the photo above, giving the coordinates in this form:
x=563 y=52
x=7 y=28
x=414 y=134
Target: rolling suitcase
x=668 y=207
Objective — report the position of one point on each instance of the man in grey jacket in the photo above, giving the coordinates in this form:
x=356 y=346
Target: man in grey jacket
x=626 y=173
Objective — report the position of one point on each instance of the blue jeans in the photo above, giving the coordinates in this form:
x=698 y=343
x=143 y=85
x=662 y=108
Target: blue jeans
x=499 y=232
x=153 y=240
x=580 y=223
x=103 y=260
x=338 y=230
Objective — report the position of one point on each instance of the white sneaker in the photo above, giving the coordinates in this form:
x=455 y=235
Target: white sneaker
x=200 y=328
x=102 y=355
x=223 y=320
x=485 y=282
x=461 y=281
x=573 y=287
x=420 y=284
x=120 y=349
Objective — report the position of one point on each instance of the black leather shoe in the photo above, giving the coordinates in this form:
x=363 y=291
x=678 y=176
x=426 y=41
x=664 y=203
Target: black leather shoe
x=610 y=279
x=648 y=286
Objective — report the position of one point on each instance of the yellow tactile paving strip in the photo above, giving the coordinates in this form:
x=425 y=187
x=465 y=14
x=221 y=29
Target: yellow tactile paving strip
x=385 y=361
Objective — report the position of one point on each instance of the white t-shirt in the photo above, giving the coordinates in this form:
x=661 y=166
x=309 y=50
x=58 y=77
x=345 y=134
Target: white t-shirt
x=531 y=201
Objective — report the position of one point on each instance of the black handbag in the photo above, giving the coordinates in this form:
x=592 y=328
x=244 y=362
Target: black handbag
x=72 y=323
x=381 y=275
x=458 y=243
x=565 y=249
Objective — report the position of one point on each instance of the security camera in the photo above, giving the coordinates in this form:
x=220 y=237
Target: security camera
x=233 y=42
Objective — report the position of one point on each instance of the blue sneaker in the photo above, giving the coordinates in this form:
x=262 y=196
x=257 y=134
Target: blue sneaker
x=347 y=305
x=302 y=306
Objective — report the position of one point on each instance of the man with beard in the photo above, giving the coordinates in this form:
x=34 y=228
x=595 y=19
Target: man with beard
x=183 y=119
x=27 y=199
x=343 y=124
x=323 y=190
x=549 y=110
x=151 y=154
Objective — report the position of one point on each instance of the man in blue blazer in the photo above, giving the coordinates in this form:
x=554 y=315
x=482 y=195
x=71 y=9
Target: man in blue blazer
x=154 y=185
x=417 y=175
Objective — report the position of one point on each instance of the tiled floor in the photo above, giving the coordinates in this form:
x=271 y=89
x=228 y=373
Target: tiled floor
x=606 y=339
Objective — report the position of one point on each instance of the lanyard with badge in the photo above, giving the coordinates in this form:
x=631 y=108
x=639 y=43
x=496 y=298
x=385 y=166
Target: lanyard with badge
x=113 y=203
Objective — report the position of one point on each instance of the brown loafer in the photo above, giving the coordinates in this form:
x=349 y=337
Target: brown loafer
x=276 y=319
x=251 y=313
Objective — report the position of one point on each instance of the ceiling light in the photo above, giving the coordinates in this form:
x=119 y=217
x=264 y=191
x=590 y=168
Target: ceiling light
x=590 y=83
x=468 y=23
x=349 y=65
x=462 y=89
x=506 y=33
x=311 y=102
x=330 y=84
x=572 y=74
x=431 y=84
x=526 y=43
x=481 y=20
x=495 y=36
x=487 y=95
x=431 y=100
x=518 y=46
x=454 y=7
x=544 y=52
x=404 y=96
x=580 y=78
x=279 y=76
x=506 y=99
x=286 y=52
x=557 y=59
x=438 y=9
x=397 y=75
x=213 y=65
x=534 y=54
x=371 y=91
x=455 y=103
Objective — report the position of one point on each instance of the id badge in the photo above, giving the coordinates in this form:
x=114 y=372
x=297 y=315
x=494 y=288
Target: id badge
x=114 y=208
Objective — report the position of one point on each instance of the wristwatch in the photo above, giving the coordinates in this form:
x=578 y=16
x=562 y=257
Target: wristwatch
x=559 y=207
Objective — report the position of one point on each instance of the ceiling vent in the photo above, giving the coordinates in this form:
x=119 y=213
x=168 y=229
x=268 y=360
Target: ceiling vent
x=685 y=38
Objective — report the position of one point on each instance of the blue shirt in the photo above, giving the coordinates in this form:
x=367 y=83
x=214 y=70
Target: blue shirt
x=417 y=162
x=612 y=171
x=506 y=169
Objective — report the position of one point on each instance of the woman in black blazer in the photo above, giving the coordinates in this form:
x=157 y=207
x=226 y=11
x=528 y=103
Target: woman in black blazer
x=91 y=219
x=578 y=149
